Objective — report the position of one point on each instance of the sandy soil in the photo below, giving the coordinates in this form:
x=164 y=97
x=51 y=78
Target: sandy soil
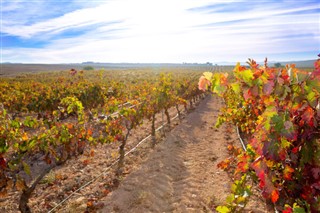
x=181 y=174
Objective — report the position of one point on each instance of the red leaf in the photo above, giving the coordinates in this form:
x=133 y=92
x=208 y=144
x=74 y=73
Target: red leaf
x=287 y=210
x=3 y=163
x=257 y=73
x=247 y=94
x=307 y=116
x=287 y=172
x=224 y=164
x=89 y=132
x=315 y=172
x=268 y=87
x=243 y=164
x=282 y=154
x=280 y=81
x=254 y=91
x=262 y=178
x=286 y=78
x=274 y=196
x=295 y=150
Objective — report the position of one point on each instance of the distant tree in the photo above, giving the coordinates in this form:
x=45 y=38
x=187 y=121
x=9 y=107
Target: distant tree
x=277 y=65
x=88 y=68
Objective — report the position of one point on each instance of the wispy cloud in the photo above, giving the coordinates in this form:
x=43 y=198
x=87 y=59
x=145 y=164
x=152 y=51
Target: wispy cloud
x=158 y=31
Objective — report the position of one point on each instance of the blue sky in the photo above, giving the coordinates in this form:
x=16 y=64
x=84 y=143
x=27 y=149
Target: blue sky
x=156 y=31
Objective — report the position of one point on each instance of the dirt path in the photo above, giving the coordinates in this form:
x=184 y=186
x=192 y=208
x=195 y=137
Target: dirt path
x=181 y=174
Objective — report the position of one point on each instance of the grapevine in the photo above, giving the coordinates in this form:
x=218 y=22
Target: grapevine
x=55 y=117
x=278 y=112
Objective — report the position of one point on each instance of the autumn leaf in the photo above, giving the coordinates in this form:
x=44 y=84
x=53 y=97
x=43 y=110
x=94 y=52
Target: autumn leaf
x=47 y=159
x=274 y=195
x=207 y=75
x=105 y=192
x=223 y=209
x=243 y=164
x=307 y=116
x=203 y=83
x=243 y=167
x=25 y=136
x=3 y=163
x=91 y=153
x=285 y=143
x=223 y=78
x=262 y=179
x=20 y=184
x=295 y=150
x=257 y=73
x=316 y=172
x=287 y=172
x=247 y=94
x=246 y=76
x=254 y=91
x=89 y=132
x=69 y=126
x=236 y=88
x=224 y=164
x=268 y=87
x=89 y=204
x=86 y=162
x=3 y=193
x=239 y=68
x=280 y=81
x=288 y=209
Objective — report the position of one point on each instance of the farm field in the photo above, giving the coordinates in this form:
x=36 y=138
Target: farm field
x=66 y=127
x=147 y=139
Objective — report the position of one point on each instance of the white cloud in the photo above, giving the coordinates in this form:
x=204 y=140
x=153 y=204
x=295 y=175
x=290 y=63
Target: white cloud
x=167 y=31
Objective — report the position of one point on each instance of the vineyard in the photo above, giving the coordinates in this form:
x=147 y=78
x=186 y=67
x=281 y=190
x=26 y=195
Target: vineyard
x=277 y=111
x=51 y=119
x=62 y=131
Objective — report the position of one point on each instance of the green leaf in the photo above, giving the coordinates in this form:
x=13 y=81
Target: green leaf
x=216 y=84
x=312 y=98
x=219 y=89
x=15 y=124
x=3 y=145
x=246 y=76
x=26 y=168
x=298 y=210
x=23 y=146
x=32 y=143
x=223 y=209
x=278 y=123
x=268 y=114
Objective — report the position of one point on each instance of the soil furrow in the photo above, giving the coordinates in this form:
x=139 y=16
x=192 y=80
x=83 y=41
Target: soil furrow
x=181 y=174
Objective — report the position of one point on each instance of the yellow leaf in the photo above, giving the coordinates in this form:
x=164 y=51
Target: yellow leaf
x=25 y=136
x=207 y=75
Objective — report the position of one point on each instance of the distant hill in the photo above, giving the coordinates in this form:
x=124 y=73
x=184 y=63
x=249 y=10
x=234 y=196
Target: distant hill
x=8 y=68
x=307 y=63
